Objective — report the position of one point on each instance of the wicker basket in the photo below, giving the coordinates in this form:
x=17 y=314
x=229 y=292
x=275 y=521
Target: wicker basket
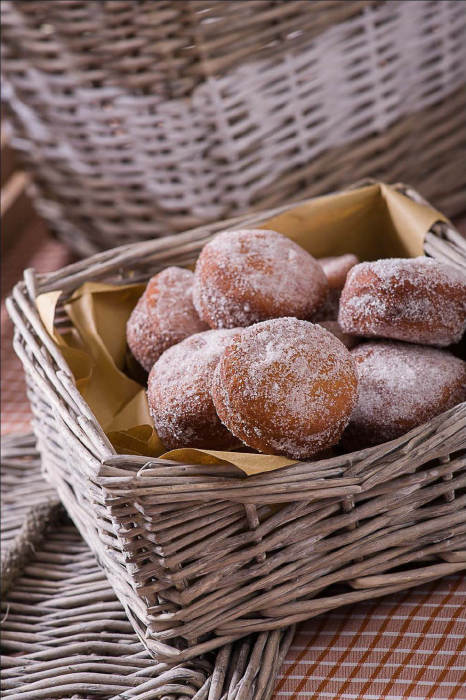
x=142 y=119
x=63 y=624
x=192 y=551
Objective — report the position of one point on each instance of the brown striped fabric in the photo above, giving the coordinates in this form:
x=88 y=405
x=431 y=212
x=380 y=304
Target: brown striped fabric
x=408 y=645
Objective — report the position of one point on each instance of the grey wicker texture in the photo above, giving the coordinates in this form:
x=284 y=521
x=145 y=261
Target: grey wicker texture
x=195 y=553
x=64 y=632
x=142 y=119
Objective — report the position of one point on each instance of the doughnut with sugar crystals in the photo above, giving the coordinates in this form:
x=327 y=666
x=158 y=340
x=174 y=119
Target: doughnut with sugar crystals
x=178 y=393
x=163 y=316
x=285 y=386
x=418 y=300
x=243 y=277
x=401 y=386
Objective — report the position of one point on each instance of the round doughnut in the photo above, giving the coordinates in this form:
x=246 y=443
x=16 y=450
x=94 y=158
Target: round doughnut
x=333 y=327
x=178 y=393
x=401 y=386
x=337 y=267
x=243 y=277
x=419 y=300
x=163 y=316
x=285 y=387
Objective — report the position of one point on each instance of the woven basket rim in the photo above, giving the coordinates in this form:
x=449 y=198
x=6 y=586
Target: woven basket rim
x=349 y=457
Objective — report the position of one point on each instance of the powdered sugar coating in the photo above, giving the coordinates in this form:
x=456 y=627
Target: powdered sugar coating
x=243 y=277
x=286 y=387
x=401 y=386
x=163 y=316
x=337 y=267
x=419 y=300
x=179 y=397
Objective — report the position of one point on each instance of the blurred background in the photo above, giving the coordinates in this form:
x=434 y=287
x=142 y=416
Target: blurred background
x=127 y=120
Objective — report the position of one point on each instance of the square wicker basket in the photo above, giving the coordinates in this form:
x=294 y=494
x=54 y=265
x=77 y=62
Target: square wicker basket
x=195 y=553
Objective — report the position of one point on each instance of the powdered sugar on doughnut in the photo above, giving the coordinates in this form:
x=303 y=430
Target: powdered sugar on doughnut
x=179 y=392
x=243 y=277
x=401 y=386
x=163 y=316
x=417 y=300
x=286 y=387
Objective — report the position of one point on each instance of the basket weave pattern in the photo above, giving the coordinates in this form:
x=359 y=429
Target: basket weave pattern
x=200 y=555
x=144 y=119
x=62 y=622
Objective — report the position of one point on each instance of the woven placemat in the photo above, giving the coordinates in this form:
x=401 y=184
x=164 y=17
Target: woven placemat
x=65 y=634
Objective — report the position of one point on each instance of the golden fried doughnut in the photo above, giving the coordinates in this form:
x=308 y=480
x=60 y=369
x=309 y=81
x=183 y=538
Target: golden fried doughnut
x=179 y=397
x=419 y=300
x=163 y=316
x=285 y=387
x=401 y=386
x=243 y=277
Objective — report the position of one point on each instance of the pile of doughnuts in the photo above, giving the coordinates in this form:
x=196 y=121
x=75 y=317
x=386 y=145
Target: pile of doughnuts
x=266 y=348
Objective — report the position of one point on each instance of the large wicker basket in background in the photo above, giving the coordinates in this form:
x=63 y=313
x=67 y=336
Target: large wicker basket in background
x=194 y=552
x=141 y=119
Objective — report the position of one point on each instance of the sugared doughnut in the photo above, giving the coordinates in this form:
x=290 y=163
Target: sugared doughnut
x=401 y=386
x=179 y=397
x=243 y=277
x=337 y=267
x=419 y=300
x=285 y=387
x=333 y=327
x=163 y=316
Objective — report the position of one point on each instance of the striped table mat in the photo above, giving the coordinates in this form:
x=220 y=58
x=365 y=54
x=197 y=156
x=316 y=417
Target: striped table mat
x=408 y=645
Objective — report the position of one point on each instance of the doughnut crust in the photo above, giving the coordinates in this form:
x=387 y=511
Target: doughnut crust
x=418 y=300
x=285 y=386
x=243 y=277
x=401 y=386
x=179 y=397
x=163 y=316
